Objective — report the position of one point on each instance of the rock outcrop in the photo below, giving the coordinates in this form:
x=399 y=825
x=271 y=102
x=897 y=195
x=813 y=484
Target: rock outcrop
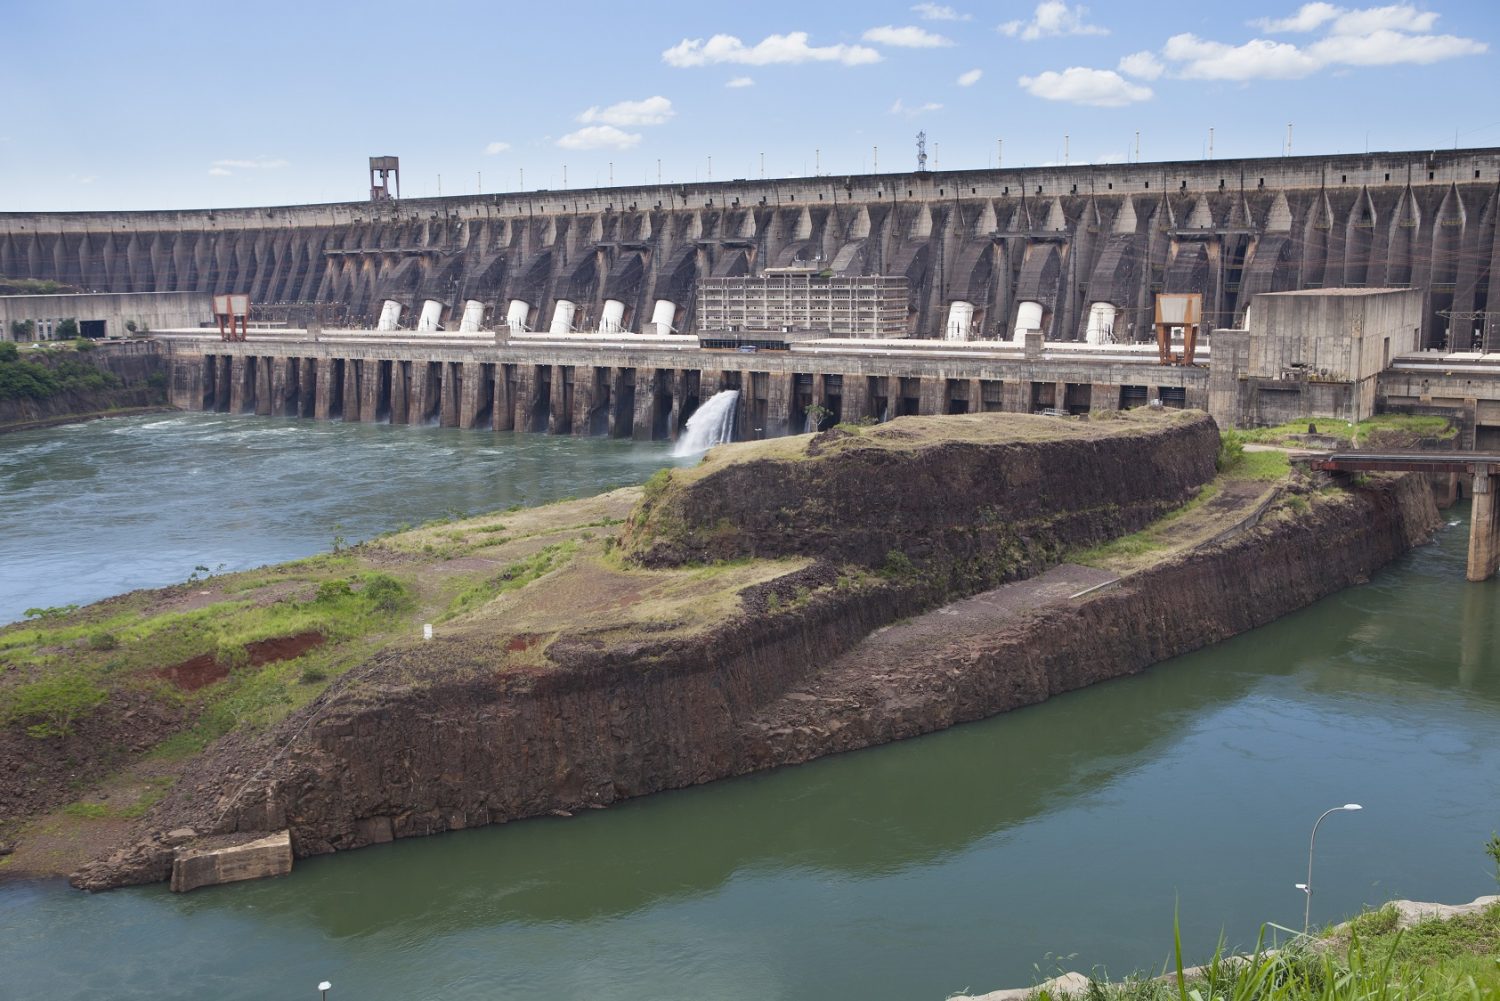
x=451 y=734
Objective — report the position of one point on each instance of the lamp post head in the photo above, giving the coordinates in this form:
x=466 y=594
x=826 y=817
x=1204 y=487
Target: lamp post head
x=325 y=986
x=1351 y=806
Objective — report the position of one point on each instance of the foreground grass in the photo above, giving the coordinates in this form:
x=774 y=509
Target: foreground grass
x=1368 y=960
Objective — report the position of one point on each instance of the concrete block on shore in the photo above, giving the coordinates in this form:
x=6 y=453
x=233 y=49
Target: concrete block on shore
x=211 y=865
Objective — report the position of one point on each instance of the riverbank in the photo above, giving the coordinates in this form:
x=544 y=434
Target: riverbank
x=68 y=383
x=654 y=695
x=1403 y=950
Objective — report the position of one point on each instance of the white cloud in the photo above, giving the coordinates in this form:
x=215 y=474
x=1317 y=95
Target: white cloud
x=1052 y=18
x=970 y=78
x=939 y=12
x=1144 y=65
x=652 y=111
x=600 y=137
x=1385 y=48
x=900 y=108
x=1372 y=36
x=741 y=81
x=219 y=172
x=496 y=147
x=1400 y=17
x=773 y=49
x=1258 y=58
x=1309 y=17
x=259 y=163
x=1080 y=85
x=910 y=37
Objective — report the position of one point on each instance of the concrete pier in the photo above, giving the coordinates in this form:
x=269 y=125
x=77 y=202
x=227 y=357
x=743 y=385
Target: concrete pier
x=1484 y=526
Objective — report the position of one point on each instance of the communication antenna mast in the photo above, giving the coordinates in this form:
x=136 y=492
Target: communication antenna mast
x=921 y=152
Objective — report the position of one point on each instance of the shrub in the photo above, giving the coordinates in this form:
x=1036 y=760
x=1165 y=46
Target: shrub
x=50 y=707
x=67 y=330
x=384 y=592
x=897 y=564
x=103 y=641
x=8 y=351
x=83 y=344
x=1231 y=450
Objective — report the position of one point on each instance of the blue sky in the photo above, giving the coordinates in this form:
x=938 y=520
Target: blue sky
x=180 y=105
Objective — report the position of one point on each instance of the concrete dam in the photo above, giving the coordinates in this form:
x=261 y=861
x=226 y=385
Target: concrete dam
x=1078 y=253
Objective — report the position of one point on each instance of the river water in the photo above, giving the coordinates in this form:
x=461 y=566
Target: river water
x=1060 y=836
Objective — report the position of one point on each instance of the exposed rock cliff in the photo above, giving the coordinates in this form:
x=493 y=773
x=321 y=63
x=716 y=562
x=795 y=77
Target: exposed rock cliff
x=123 y=380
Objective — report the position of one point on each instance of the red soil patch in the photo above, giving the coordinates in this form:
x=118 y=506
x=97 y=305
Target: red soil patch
x=204 y=669
x=523 y=641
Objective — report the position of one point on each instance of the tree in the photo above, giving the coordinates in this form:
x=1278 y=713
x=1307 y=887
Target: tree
x=67 y=330
x=22 y=330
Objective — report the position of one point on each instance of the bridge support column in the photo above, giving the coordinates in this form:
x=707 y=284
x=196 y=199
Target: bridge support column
x=471 y=394
x=323 y=390
x=369 y=390
x=241 y=384
x=400 y=392
x=931 y=397
x=283 y=385
x=449 y=389
x=263 y=387
x=585 y=379
x=503 y=417
x=856 y=405
x=1016 y=396
x=525 y=399
x=351 y=390
x=1104 y=398
x=223 y=383
x=643 y=420
x=559 y=411
x=1484 y=527
x=781 y=402
x=621 y=402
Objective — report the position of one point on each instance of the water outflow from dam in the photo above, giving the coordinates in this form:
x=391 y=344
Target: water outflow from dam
x=960 y=860
x=711 y=424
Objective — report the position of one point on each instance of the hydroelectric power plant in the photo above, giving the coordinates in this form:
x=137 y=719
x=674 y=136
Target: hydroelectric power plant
x=785 y=600
x=617 y=311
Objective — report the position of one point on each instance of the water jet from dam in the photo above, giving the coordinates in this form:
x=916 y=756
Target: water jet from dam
x=712 y=424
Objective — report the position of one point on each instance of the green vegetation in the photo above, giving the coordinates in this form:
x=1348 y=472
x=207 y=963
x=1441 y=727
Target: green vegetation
x=1370 y=960
x=512 y=578
x=22 y=330
x=32 y=286
x=37 y=380
x=67 y=330
x=816 y=415
x=49 y=707
x=1235 y=462
x=1292 y=432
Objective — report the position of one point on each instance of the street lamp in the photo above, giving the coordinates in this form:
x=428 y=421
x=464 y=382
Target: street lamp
x=1306 y=888
x=323 y=988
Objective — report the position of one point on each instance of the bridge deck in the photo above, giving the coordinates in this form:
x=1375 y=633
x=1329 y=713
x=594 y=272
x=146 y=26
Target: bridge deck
x=1406 y=462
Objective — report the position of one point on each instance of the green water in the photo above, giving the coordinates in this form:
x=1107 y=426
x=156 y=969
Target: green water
x=1057 y=836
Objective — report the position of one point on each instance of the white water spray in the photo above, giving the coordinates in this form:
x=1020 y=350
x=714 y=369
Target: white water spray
x=711 y=424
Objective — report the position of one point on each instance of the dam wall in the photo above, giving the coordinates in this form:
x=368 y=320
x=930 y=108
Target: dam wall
x=1056 y=240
